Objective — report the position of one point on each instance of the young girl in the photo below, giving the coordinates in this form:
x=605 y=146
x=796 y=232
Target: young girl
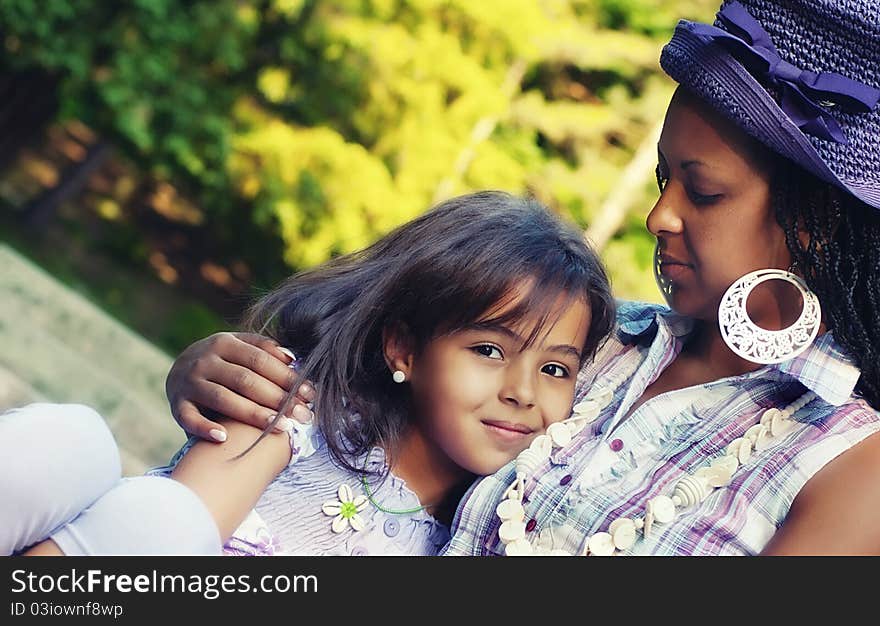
x=437 y=354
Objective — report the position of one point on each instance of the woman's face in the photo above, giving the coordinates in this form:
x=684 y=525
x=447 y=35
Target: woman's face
x=713 y=221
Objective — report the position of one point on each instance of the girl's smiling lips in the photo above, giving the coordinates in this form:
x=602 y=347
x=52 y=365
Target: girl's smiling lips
x=508 y=430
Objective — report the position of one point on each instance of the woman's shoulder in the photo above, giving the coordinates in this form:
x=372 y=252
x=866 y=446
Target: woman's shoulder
x=854 y=415
x=834 y=512
x=830 y=432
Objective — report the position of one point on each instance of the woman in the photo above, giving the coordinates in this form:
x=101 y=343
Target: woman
x=709 y=435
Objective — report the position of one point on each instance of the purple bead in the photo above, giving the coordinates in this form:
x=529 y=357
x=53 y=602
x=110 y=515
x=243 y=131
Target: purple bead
x=391 y=527
x=531 y=525
x=565 y=480
x=617 y=445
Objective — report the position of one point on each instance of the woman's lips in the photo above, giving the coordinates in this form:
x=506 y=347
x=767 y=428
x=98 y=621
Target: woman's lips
x=507 y=430
x=672 y=268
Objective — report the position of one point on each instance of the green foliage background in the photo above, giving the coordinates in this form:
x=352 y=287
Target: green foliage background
x=325 y=124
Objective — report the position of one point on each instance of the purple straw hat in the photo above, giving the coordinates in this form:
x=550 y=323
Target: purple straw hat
x=801 y=76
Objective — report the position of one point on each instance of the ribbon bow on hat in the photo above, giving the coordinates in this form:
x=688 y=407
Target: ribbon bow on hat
x=802 y=93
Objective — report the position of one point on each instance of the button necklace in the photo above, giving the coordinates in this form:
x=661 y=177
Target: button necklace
x=623 y=532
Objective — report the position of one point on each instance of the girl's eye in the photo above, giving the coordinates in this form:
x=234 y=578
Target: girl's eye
x=488 y=351
x=555 y=370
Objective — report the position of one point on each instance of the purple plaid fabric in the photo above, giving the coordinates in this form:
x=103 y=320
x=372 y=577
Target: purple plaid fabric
x=614 y=466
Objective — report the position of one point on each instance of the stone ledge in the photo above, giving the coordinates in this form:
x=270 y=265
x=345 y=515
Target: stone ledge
x=59 y=347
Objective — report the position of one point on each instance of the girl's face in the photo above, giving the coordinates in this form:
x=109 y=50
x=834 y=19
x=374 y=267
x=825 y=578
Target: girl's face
x=713 y=221
x=481 y=397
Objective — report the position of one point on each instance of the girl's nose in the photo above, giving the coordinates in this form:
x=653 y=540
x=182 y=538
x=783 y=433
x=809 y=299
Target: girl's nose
x=519 y=387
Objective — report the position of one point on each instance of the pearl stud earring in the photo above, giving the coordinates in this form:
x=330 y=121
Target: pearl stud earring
x=398 y=376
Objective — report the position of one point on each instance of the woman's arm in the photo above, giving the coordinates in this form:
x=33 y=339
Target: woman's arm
x=838 y=510
x=230 y=487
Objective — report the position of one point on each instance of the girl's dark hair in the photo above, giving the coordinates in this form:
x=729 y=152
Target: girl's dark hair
x=840 y=263
x=434 y=275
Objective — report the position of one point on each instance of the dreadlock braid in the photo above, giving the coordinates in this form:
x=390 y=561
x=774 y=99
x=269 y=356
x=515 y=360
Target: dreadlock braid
x=840 y=262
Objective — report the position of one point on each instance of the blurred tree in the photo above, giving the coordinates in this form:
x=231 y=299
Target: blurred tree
x=327 y=123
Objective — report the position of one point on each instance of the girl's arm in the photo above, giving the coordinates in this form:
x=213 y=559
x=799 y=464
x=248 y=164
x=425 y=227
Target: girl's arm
x=836 y=513
x=231 y=487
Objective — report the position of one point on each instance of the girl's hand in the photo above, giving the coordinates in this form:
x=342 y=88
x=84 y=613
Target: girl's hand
x=242 y=376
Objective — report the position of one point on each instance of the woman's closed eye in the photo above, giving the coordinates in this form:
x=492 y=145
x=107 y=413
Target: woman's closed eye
x=555 y=370
x=488 y=350
x=702 y=199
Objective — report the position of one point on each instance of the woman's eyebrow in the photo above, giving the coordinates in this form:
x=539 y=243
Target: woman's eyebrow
x=685 y=164
x=516 y=337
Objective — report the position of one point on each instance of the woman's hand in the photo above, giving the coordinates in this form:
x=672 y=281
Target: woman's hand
x=242 y=376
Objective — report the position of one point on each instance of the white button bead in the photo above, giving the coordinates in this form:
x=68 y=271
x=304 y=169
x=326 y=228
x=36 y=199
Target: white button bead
x=574 y=427
x=511 y=531
x=624 y=536
x=511 y=510
x=745 y=451
x=728 y=463
x=586 y=410
x=542 y=444
x=714 y=476
x=528 y=461
x=767 y=417
x=602 y=396
x=620 y=522
x=664 y=509
x=559 y=433
x=639 y=523
x=520 y=547
x=765 y=438
x=601 y=544
x=691 y=490
x=753 y=432
x=780 y=425
x=733 y=448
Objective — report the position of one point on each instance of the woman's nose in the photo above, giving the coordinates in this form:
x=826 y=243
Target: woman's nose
x=665 y=217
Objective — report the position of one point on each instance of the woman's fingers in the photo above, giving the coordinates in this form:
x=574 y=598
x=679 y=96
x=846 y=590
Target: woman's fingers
x=265 y=344
x=242 y=376
x=258 y=354
x=248 y=384
x=192 y=421
x=230 y=404
x=251 y=371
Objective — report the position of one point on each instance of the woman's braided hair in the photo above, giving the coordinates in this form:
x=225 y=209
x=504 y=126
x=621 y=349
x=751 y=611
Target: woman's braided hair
x=840 y=263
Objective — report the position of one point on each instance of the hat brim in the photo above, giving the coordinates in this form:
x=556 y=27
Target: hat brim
x=710 y=72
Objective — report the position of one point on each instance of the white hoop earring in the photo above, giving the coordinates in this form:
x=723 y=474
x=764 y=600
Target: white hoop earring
x=398 y=376
x=760 y=345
